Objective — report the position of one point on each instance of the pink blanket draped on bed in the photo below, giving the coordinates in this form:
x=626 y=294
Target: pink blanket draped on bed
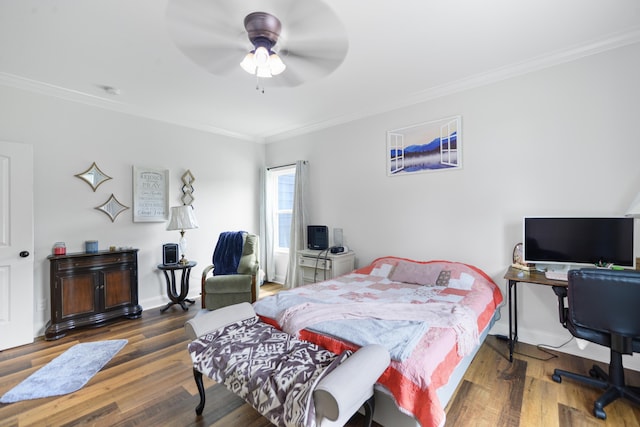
x=412 y=382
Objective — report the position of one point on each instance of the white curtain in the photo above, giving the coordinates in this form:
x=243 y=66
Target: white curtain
x=267 y=260
x=299 y=219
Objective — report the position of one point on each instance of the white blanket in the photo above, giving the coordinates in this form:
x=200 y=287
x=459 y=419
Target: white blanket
x=436 y=314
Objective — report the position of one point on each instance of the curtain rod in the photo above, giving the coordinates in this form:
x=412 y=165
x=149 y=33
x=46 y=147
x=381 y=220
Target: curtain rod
x=284 y=166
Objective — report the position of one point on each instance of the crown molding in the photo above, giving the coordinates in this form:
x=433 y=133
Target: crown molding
x=613 y=41
x=84 y=98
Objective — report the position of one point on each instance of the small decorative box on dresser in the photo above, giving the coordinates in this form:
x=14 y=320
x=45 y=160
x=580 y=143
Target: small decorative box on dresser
x=316 y=266
x=90 y=289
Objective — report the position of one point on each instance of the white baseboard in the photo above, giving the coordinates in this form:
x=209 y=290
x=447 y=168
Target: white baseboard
x=592 y=351
x=163 y=300
x=279 y=279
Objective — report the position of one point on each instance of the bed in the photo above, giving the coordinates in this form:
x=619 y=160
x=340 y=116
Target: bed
x=431 y=315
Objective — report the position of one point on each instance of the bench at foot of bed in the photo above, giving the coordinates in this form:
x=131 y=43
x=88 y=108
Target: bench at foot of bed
x=311 y=385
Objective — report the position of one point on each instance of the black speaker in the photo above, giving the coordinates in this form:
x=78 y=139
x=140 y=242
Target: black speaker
x=170 y=253
x=317 y=237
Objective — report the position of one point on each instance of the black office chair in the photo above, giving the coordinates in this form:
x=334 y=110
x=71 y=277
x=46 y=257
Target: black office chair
x=603 y=308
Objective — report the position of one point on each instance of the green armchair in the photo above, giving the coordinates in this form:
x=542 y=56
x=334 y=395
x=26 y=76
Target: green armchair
x=224 y=290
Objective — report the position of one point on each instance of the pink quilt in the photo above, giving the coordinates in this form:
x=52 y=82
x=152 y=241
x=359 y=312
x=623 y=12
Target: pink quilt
x=412 y=382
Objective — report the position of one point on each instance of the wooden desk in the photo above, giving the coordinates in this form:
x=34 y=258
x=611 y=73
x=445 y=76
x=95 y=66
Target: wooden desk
x=514 y=275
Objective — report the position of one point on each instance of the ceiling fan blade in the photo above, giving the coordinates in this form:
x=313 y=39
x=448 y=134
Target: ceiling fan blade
x=313 y=40
x=333 y=50
x=199 y=18
x=314 y=61
x=219 y=60
x=291 y=77
x=206 y=36
x=303 y=18
x=307 y=20
x=303 y=69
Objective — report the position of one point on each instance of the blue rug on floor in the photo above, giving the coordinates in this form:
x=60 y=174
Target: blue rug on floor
x=66 y=373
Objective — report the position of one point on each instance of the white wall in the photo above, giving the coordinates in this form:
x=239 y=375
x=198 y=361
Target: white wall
x=560 y=141
x=67 y=137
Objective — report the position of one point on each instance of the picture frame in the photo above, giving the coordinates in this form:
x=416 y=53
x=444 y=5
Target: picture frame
x=425 y=147
x=150 y=194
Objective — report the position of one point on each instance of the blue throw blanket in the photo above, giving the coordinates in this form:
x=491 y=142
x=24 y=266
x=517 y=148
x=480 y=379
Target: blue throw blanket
x=227 y=253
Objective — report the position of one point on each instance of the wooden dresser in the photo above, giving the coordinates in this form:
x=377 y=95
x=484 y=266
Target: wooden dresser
x=91 y=289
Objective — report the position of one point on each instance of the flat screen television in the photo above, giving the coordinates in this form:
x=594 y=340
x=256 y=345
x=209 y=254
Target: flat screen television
x=579 y=241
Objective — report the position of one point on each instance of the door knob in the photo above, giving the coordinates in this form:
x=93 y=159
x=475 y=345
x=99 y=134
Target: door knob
x=24 y=254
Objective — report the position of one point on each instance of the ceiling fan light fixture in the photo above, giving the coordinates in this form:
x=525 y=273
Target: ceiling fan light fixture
x=275 y=64
x=263 y=63
x=261 y=57
x=263 y=30
x=248 y=63
x=263 y=72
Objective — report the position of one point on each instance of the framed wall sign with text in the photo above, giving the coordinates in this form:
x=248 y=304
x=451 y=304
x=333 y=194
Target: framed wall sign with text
x=150 y=194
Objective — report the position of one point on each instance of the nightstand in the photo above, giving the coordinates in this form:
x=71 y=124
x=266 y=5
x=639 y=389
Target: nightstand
x=316 y=266
x=169 y=271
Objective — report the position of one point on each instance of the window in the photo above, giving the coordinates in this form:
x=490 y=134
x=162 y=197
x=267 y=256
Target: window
x=281 y=192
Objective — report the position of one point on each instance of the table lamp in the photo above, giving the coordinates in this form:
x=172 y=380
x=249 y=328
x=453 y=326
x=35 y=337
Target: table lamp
x=182 y=218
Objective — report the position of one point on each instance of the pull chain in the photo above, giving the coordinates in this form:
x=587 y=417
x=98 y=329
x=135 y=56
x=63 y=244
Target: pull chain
x=258 y=84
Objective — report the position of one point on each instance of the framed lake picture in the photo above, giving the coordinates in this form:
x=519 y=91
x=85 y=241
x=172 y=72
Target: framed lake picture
x=150 y=194
x=425 y=147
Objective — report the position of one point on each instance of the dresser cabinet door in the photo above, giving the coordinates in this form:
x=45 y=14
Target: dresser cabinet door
x=77 y=295
x=117 y=288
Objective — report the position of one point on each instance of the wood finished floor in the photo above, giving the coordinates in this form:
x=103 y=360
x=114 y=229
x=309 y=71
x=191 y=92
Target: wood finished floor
x=150 y=383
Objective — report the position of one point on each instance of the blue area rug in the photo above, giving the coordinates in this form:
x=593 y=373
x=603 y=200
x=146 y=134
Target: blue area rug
x=66 y=373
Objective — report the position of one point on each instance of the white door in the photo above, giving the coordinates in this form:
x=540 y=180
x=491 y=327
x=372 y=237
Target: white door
x=16 y=244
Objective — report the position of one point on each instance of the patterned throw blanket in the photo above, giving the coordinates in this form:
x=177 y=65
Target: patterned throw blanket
x=271 y=370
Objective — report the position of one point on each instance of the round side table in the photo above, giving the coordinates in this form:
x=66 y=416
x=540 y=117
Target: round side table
x=169 y=271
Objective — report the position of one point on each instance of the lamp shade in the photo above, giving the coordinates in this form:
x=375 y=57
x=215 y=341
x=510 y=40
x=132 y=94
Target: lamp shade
x=248 y=63
x=276 y=64
x=182 y=218
x=634 y=209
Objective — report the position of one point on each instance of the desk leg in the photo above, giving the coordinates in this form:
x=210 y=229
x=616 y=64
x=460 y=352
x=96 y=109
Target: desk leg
x=513 y=317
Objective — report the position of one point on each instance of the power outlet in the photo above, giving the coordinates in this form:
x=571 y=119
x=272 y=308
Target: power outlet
x=42 y=305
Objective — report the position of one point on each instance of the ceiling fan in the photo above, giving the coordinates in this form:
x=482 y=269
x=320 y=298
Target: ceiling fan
x=294 y=41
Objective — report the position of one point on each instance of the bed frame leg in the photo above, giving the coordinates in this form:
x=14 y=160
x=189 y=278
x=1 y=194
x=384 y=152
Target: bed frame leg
x=369 y=407
x=197 y=375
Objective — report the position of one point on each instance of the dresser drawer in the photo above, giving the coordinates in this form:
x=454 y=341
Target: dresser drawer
x=74 y=263
x=313 y=262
